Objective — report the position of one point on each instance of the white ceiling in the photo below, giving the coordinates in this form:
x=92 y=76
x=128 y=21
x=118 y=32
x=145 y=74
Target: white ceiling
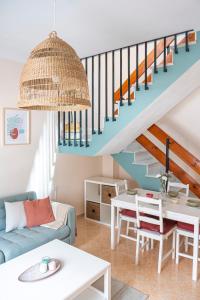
x=91 y=26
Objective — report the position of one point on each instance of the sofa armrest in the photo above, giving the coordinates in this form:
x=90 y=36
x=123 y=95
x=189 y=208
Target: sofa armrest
x=70 y=220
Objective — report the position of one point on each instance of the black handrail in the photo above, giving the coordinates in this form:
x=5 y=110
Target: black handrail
x=140 y=43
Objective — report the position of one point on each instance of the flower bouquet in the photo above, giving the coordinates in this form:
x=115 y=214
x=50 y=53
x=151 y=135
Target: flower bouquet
x=164 y=178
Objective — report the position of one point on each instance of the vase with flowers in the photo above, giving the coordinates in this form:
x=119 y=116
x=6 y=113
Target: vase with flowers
x=164 y=179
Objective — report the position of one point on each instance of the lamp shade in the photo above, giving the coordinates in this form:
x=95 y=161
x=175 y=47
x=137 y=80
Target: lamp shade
x=54 y=78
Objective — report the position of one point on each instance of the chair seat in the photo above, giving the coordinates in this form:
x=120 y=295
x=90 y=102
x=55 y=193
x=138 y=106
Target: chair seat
x=185 y=226
x=128 y=213
x=167 y=226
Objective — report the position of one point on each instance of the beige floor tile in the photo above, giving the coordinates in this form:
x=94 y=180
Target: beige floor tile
x=173 y=283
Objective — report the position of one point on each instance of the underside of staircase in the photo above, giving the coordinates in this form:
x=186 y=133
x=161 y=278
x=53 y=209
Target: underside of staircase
x=144 y=160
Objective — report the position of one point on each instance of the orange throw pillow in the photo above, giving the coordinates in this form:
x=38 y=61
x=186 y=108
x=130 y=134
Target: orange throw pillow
x=38 y=212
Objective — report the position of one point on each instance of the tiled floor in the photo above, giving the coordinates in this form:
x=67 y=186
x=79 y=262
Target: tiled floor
x=174 y=282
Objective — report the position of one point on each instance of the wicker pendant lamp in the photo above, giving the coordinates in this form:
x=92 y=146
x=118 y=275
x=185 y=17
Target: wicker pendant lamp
x=53 y=77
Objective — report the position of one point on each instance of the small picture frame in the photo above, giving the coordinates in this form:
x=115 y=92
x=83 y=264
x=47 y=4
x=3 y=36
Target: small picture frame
x=16 y=126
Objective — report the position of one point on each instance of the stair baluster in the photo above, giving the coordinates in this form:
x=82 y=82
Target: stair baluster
x=145 y=72
x=113 y=86
x=64 y=142
x=75 y=135
x=92 y=90
x=106 y=87
x=155 y=57
x=69 y=128
x=137 y=75
x=59 y=142
x=80 y=121
x=164 y=54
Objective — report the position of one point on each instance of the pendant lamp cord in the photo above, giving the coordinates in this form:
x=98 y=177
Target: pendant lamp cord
x=54 y=15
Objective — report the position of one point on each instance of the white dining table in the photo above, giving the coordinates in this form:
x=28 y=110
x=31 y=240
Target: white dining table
x=173 y=209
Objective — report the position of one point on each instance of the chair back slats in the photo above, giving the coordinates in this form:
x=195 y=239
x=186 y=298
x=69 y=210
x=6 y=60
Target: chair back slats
x=149 y=210
x=150 y=220
x=179 y=186
x=120 y=189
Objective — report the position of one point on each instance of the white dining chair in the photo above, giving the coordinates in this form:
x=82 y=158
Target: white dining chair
x=178 y=186
x=151 y=225
x=185 y=189
x=187 y=231
x=128 y=216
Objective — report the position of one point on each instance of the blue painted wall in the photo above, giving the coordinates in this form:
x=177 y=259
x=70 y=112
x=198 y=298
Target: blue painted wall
x=137 y=172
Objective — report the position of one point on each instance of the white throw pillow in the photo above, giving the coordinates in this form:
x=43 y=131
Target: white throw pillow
x=15 y=215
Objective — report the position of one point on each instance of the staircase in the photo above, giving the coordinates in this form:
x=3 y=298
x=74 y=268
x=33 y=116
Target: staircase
x=152 y=77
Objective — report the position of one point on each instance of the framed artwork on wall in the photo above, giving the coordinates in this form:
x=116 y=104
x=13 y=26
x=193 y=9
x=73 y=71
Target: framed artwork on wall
x=16 y=126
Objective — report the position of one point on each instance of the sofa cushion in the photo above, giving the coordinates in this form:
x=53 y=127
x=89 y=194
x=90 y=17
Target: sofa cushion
x=38 y=212
x=15 y=215
x=19 y=241
x=14 y=198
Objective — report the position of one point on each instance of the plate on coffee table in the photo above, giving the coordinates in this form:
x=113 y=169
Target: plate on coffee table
x=33 y=273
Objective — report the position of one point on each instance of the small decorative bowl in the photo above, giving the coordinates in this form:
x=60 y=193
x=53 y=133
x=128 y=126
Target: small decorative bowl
x=173 y=194
x=193 y=203
x=131 y=192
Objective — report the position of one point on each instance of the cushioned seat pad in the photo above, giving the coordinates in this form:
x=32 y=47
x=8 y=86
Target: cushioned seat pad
x=19 y=241
x=128 y=213
x=167 y=226
x=185 y=226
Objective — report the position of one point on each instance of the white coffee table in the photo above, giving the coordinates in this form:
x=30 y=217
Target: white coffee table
x=79 y=271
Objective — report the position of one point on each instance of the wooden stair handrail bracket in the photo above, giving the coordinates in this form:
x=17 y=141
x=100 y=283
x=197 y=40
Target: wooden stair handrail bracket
x=177 y=171
x=176 y=148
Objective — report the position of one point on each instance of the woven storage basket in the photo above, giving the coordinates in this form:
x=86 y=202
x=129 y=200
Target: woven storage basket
x=54 y=78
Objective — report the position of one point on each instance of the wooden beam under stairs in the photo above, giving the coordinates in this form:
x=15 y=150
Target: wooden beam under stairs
x=176 y=148
x=177 y=170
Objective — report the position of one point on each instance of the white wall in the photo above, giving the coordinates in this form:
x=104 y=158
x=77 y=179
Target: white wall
x=110 y=168
x=183 y=122
x=36 y=166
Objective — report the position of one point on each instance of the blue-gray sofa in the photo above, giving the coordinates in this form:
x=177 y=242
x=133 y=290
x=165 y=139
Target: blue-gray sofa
x=19 y=241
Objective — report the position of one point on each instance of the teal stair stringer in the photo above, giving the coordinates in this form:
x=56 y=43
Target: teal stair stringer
x=183 y=61
x=137 y=172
